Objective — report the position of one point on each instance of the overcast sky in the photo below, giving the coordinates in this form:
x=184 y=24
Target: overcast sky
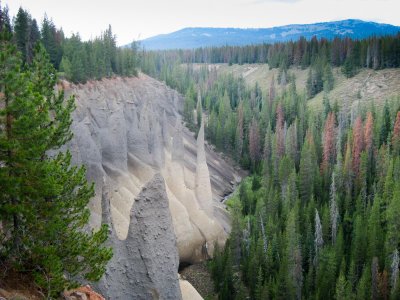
x=138 y=19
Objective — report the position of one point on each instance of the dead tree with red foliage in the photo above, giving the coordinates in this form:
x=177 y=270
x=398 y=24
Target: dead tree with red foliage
x=396 y=135
x=329 y=143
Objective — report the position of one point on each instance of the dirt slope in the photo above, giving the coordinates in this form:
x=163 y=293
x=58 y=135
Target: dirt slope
x=368 y=85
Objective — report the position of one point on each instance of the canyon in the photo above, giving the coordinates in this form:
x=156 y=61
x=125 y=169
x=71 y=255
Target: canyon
x=157 y=186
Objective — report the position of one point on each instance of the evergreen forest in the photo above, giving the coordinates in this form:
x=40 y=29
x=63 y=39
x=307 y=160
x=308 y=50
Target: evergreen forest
x=76 y=60
x=318 y=217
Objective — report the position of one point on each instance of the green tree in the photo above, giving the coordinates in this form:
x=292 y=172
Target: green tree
x=33 y=38
x=21 y=31
x=48 y=33
x=386 y=124
x=328 y=78
x=5 y=23
x=78 y=67
x=393 y=223
x=43 y=199
x=343 y=290
x=66 y=67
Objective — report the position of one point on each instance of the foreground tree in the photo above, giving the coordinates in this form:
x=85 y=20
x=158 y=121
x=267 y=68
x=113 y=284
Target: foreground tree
x=43 y=198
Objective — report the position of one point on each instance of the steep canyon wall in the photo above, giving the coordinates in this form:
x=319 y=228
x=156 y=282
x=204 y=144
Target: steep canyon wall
x=157 y=187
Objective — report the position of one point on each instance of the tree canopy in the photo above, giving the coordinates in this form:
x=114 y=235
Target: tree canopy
x=43 y=199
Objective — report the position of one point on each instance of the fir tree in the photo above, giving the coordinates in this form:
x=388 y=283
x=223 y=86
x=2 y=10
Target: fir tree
x=385 y=124
x=396 y=135
x=5 y=23
x=21 y=31
x=43 y=199
x=358 y=144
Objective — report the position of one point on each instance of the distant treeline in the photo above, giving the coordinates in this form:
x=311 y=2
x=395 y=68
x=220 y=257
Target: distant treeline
x=78 y=60
x=374 y=52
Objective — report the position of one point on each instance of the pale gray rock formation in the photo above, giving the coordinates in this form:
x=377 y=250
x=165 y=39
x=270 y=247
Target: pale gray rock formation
x=188 y=291
x=203 y=182
x=125 y=132
x=145 y=264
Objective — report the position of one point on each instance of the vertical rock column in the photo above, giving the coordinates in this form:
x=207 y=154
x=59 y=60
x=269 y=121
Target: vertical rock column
x=203 y=183
x=145 y=265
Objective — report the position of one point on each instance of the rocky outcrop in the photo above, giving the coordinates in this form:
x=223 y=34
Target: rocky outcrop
x=188 y=291
x=125 y=132
x=203 y=183
x=145 y=264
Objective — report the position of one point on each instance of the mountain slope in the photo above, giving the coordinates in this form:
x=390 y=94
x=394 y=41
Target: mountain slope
x=196 y=37
x=367 y=86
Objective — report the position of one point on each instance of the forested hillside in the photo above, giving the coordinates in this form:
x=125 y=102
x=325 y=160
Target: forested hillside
x=76 y=60
x=375 y=52
x=319 y=217
x=196 y=37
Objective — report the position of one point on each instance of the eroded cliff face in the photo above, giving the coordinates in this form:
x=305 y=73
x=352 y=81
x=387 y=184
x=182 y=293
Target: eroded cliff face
x=144 y=264
x=126 y=131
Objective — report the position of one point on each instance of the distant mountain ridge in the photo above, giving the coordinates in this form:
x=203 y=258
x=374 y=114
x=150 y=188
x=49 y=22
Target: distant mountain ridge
x=195 y=37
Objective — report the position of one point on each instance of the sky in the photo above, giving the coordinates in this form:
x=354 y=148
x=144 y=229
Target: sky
x=139 y=19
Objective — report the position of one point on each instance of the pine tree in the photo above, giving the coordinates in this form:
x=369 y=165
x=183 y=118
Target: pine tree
x=364 y=285
x=307 y=172
x=43 y=199
x=385 y=124
x=66 y=68
x=239 y=132
x=272 y=93
x=77 y=68
x=369 y=133
x=328 y=78
x=342 y=288
x=358 y=144
x=375 y=239
x=294 y=257
x=48 y=33
x=188 y=107
x=396 y=135
x=326 y=274
x=279 y=131
x=5 y=23
x=21 y=31
x=358 y=245
x=33 y=38
x=267 y=152
x=393 y=223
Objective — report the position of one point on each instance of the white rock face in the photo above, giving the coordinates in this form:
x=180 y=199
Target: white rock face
x=203 y=183
x=144 y=265
x=188 y=291
x=128 y=130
